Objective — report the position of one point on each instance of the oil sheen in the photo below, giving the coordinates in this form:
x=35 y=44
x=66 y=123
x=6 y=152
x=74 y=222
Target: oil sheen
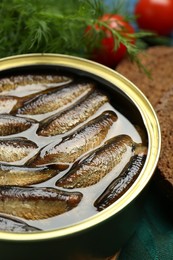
x=121 y=126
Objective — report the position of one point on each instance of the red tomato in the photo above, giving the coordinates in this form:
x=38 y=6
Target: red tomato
x=106 y=53
x=155 y=15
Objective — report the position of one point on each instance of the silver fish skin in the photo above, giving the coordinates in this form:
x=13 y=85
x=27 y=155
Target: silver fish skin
x=15 y=225
x=52 y=99
x=13 y=82
x=35 y=203
x=94 y=167
x=15 y=149
x=76 y=144
x=123 y=182
x=7 y=103
x=10 y=125
x=23 y=175
x=62 y=122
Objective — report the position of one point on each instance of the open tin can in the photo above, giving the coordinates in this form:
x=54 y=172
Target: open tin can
x=104 y=233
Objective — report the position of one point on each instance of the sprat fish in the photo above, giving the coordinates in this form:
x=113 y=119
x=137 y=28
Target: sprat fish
x=13 y=82
x=123 y=182
x=34 y=203
x=94 y=167
x=52 y=99
x=23 y=175
x=76 y=144
x=67 y=120
x=15 y=149
x=10 y=124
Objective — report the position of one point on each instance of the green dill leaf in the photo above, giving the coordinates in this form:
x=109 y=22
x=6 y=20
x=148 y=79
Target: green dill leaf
x=57 y=26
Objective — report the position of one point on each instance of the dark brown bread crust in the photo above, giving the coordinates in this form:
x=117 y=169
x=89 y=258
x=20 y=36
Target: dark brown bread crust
x=164 y=176
x=159 y=90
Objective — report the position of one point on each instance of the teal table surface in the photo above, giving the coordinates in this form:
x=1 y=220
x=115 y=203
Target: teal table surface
x=153 y=239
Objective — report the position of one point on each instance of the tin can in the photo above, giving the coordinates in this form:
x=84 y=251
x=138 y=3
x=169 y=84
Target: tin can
x=103 y=234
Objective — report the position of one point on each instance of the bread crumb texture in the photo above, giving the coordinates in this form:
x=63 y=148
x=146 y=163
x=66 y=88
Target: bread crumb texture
x=159 y=63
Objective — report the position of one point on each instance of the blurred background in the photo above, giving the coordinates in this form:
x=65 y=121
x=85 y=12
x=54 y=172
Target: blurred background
x=77 y=27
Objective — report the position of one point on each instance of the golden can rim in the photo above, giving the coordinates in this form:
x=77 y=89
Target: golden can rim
x=142 y=104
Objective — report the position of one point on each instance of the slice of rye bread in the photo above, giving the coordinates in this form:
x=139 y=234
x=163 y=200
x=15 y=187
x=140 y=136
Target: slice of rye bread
x=159 y=90
x=159 y=62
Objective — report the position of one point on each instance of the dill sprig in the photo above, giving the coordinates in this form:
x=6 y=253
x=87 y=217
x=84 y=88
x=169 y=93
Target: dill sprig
x=54 y=27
